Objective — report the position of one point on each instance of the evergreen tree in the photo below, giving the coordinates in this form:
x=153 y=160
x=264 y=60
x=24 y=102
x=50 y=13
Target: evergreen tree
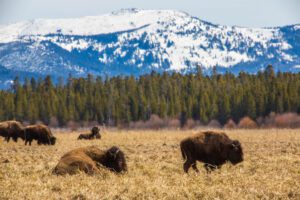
x=121 y=100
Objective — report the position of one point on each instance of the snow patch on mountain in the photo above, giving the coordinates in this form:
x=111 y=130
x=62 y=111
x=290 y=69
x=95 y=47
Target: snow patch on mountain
x=134 y=41
x=90 y=25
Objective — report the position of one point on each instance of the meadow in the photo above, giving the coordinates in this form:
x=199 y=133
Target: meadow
x=271 y=168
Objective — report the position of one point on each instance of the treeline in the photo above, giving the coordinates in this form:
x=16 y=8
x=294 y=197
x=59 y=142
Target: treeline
x=120 y=100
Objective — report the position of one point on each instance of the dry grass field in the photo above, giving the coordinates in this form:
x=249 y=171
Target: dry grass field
x=271 y=169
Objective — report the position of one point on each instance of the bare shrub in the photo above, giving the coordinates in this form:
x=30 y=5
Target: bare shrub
x=190 y=123
x=53 y=122
x=214 y=124
x=84 y=124
x=73 y=126
x=247 y=122
x=287 y=120
x=260 y=121
x=136 y=125
x=173 y=123
x=155 y=122
x=230 y=124
x=270 y=120
x=93 y=123
x=144 y=124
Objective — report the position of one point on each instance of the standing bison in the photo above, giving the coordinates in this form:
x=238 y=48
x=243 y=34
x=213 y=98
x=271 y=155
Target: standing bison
x=95 y=134
x=12 y=129
x=211 y=148
x=88 y=159
x=41 y=133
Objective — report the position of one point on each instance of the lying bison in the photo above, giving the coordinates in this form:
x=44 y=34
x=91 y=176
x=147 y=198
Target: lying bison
x=95 y=134
x=41 y=133
x=88 y=160
x=211 y=148
x=12 y=129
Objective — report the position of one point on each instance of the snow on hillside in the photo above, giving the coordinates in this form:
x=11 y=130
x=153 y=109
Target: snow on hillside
x=138 y=41
x=91 y=25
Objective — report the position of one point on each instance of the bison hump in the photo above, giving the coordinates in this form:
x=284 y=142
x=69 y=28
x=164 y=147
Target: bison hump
x=72 y=164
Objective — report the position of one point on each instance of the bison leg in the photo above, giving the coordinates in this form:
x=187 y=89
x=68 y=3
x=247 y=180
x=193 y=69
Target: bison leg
x=187 y=164
x=7 y=139
x=194 y=166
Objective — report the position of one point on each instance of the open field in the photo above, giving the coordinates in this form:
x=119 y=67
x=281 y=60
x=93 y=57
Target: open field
x=271 y=169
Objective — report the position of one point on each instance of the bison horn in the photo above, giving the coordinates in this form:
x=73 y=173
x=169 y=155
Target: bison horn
x=234 y=145
x=114 y=154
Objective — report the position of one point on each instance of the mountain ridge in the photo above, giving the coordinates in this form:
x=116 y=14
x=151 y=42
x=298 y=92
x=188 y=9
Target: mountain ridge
x=135 y=42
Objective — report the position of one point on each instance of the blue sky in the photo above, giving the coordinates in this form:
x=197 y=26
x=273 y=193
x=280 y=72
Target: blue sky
x=250 y=13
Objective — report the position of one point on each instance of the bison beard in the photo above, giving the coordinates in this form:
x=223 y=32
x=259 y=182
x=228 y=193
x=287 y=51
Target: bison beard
x=88 y=160
x=211 y=148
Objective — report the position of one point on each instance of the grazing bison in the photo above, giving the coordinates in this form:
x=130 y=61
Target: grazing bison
x=95 y=134
x=211 y=148
x=88 y=160
x=41 y=133
x=12 y=129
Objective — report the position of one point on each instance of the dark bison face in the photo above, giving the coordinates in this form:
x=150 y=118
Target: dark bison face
x=19 y=134
x=95 y=130
x=235 y=152
x=22 y=134
x=116 y=160
x=52 y=140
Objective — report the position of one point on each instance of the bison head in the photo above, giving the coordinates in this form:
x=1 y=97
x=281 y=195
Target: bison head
x=235 y=154
x=115 y=160
x=22 y=134
x=19 y=134
x=95 y=130
x=52 y=140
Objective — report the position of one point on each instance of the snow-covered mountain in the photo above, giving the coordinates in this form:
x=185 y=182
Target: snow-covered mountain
x=136 y=41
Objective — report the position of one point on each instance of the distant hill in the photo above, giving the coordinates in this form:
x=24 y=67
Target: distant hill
x=135 y=42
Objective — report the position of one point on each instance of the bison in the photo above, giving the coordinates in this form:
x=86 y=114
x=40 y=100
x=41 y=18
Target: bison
x=211 y=148
x=41 y=133
x=95 y=134
x=12 y=129
x=88 y=160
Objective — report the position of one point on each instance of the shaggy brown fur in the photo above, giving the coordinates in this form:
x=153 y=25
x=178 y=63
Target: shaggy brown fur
x=211 y=148
x=12 y=129
x=88 y=159
x=95 y=134
x=41 y=133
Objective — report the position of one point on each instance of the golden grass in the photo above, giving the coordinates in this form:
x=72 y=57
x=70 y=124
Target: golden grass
x=271 y=169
